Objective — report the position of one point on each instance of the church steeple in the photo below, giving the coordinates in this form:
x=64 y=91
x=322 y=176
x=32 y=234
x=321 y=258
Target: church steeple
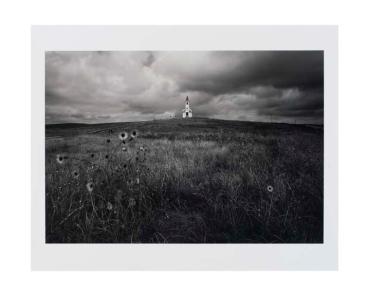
x=187 y=112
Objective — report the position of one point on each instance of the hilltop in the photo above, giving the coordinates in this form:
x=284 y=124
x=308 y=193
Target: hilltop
x=177 y=126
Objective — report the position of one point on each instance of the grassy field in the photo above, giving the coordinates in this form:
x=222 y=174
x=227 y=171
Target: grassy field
x=184 y=181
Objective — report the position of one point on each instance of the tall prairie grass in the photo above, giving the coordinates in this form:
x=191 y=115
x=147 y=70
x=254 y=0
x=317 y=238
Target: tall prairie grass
x=200 y=183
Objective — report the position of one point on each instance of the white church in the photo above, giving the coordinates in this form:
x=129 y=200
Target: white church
x=187 y=113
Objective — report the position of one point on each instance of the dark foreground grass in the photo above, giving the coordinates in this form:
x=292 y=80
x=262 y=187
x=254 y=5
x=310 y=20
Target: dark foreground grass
x=185 y=181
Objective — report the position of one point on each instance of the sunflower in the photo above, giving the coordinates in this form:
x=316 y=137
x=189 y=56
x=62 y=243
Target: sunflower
x=75 y=174
x=90 y=186
x=134 y=134
x=123 y=135
x=60 y=158
x=270 y=188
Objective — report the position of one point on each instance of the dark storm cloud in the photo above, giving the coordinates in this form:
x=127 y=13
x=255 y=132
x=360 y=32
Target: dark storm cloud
x=223 y=72
x=130 y=86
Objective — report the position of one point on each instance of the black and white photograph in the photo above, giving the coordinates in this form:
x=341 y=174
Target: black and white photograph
x=198 y=147
x=155 y=146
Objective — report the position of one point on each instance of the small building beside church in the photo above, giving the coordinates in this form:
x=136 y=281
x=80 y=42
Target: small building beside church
x=187 y=112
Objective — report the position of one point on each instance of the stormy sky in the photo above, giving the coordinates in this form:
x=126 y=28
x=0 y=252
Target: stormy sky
x=94 y=87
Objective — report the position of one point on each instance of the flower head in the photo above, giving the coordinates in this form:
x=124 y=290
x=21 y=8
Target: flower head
x=123 y=135
x=134 y=134
x=60 y=158
x=90 y=186
x=270 y=188
x=75 y=174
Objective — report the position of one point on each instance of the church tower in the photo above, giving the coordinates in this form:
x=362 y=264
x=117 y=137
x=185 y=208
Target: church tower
x=187 y=113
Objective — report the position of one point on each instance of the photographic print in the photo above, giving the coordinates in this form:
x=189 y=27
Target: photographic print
x=184 y=147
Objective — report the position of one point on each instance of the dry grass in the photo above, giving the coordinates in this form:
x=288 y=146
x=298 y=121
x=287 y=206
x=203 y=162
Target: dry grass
x=198 y=181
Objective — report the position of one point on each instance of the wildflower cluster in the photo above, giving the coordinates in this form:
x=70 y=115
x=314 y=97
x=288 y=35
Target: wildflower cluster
x=111 y=177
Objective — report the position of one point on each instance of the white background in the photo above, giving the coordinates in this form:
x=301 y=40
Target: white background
x=354 y=205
